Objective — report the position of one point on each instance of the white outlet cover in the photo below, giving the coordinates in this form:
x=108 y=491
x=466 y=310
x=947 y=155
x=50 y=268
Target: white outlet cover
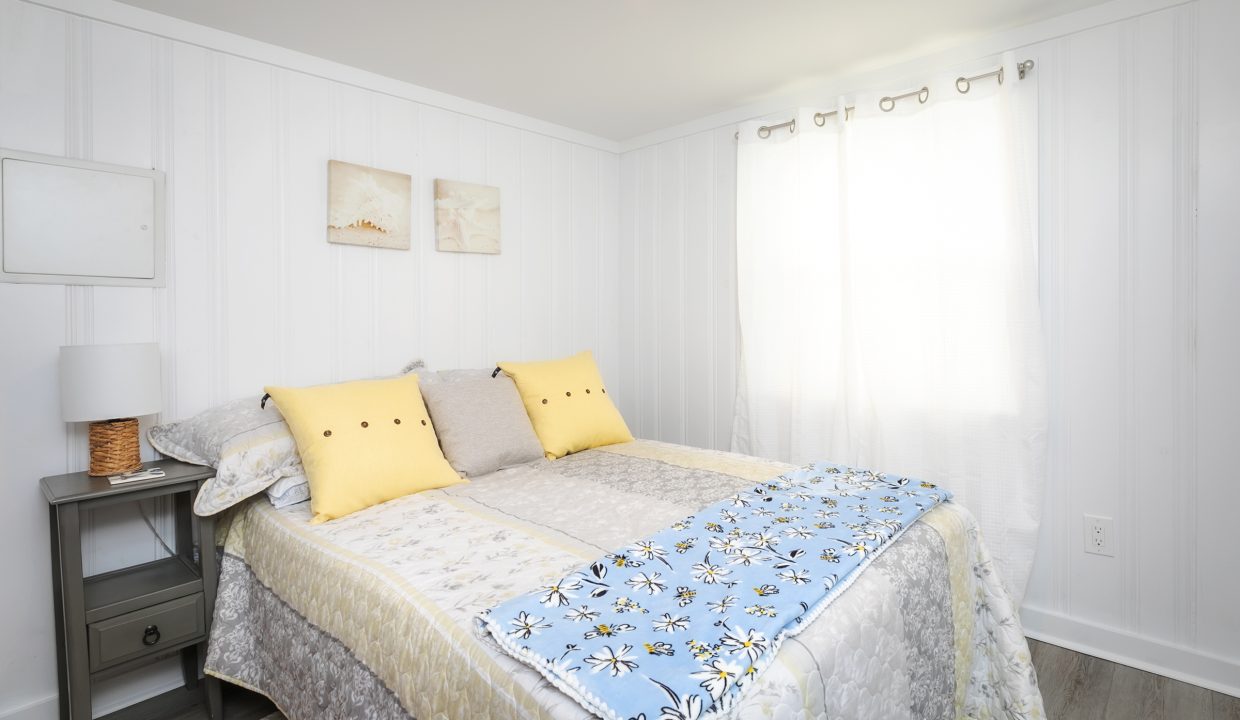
x=1099 y=535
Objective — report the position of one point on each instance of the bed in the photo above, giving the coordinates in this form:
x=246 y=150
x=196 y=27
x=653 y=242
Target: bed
x=373 y=615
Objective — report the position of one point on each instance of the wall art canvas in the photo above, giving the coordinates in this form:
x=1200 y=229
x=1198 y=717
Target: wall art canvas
x=466 y=217
x=368 y=206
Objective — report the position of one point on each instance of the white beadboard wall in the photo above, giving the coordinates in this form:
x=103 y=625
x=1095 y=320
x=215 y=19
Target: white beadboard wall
x=678 y=288
x=255 y=294
x=1139 y=297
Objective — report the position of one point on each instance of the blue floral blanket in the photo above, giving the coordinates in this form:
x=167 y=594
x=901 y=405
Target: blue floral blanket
x=676 y=625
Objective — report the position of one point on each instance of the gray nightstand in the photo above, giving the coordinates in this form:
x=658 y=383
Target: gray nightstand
x=115 y=622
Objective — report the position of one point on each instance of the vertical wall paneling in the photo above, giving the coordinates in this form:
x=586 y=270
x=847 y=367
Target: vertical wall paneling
x=376 y=289
x=723 y=280
x=1151 y=320
x=1118 y=174
x=162 y=154
x=678 y=313
x=1125 y=369
x=561 y=260
x=423 y=208
x=646 y=209
x=255 y=294
x=610 y=276
x=697 y=267
x=439 y=132
x=248 y=239
x=279 y=275
x=669 y=281
x=503 y=280
x=34 y=114
x=217 y=216
x=1184 y=303
x=629 y=288
x=1092 y=333
x=396 y=317
x=1208 y=132
x=471 y=300
x=353 y=316
x=163 y=299
x=38 y=65
x=78 y=143
x=537 y=268
x=582 y=269
x=190 y=260
x=309 y=267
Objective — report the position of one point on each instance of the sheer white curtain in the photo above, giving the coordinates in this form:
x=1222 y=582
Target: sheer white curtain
x=887 y=272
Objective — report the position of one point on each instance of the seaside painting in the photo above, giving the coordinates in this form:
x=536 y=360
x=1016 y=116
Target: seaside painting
x=466 y=217
x=368 y=206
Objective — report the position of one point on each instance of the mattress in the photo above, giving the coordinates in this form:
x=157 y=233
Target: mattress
x=371 y=615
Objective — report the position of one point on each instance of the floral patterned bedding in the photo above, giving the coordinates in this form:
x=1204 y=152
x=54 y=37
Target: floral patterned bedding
x=717 y=593
x=371 y=616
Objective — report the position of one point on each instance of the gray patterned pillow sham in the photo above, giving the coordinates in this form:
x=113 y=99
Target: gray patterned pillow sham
x=250 y=447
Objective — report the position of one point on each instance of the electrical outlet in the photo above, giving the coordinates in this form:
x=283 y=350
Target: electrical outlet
x=1099 y=532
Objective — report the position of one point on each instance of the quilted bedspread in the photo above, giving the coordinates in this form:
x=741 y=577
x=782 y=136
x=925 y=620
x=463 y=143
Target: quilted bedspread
x=736 y=578
x=372 y=615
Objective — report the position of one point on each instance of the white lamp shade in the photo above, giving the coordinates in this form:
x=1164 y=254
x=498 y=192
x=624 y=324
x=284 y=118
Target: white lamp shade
x=105 y=382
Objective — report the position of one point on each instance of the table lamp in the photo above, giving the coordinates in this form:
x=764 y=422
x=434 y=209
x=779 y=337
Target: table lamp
x=110 y=386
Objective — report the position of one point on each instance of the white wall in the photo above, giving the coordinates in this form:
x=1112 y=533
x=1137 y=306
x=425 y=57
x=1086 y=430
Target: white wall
x=255 y=294
x=678 y=288
x=1140 y=303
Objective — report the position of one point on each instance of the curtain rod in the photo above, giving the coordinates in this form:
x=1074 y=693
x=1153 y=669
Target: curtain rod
x=888 y=103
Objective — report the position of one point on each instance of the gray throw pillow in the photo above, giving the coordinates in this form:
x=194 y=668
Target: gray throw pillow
x=480 y=420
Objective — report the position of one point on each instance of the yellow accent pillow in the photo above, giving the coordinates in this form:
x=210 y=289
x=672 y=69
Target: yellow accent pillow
x=363 y=443
x=568 y=404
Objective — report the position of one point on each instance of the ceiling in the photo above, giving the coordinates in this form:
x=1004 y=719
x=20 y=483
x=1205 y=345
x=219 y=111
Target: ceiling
x=616 y=69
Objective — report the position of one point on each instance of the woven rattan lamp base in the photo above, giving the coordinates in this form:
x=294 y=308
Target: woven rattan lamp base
x=114 y=447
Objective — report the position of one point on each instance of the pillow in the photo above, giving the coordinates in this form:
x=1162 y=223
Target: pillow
x=250 y=448
x=289 y=491
x=480 y=420
x=568 y=404
x=363 y=443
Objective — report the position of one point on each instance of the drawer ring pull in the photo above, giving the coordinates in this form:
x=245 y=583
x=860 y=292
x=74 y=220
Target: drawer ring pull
x=151 y=635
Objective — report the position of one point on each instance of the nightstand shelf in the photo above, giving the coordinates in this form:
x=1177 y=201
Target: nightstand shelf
x=119 y=621
x=139 y=586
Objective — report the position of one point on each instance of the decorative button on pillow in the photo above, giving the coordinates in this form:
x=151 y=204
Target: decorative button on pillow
x=363 y=443
x=568 y=404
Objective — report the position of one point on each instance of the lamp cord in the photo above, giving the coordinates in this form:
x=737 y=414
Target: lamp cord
x=146 y=519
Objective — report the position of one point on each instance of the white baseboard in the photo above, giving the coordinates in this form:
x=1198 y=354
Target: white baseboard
x=42 y=709
x=1174 y=661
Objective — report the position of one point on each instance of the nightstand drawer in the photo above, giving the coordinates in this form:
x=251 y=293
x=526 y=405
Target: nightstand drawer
x=145 y=631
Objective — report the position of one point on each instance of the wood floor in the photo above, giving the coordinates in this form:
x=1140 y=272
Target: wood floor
x=1074 y=687
x=1080 y=687
x=239 y=704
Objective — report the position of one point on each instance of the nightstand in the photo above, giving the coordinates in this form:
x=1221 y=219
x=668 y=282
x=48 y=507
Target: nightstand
x=118 y=621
